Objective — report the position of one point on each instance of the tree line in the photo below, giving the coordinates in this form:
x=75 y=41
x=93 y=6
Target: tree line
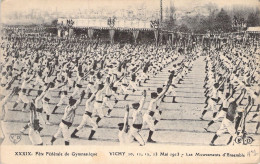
x=217 y=20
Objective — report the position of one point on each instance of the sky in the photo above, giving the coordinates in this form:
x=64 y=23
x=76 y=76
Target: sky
x=10 y=6
x=220 y=3
x=21 y=5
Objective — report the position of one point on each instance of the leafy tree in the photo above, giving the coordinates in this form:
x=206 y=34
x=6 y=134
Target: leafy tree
x=253 y=19
x=54 y=22
x=169 y=22
x=184 y=28
x=222 y=21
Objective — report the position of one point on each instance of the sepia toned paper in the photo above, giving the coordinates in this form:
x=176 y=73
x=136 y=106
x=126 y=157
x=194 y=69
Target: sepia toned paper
x=176 y=27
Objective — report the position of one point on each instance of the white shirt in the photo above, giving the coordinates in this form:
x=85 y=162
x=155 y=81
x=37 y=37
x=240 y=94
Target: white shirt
x=38 y=102
x=152 y=105
x=69 y=113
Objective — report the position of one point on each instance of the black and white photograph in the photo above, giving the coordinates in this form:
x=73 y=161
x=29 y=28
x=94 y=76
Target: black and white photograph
x=130 y=73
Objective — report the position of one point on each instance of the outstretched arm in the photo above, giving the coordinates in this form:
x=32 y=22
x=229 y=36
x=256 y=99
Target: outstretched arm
x=91 y=98
x=166 y=89
x=249 y=105
x=126 y=118
x=41 y=96
x=27 y=81
x=243 y=91
x=81 y=97
x=51 y=89
x=32 y=114
x=221 y=83
x=142 y=101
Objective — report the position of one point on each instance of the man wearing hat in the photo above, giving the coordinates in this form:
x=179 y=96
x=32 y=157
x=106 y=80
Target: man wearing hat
x=63 y=93
x=223 y=110
x=38 y=81
x=78 y=86
x=158 y=111
x=213 y=99
x=46 y=100
x=149 y=114
x=87 y=118
x=109 y=92
x=38 y=108
x=132 y=82
x=227 y=124
x=34 y=126
x=138 y=120
x=98 y=104
x=123 y=135
x=171 y=90
x=67 y=119
x=24 y=87
x=22 y=98
x=123 y=87
x=255 y=96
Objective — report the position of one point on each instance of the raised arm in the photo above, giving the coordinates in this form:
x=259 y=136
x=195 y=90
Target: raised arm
x=126 y=119
x=51 y=89
x=92 y=97
x=81 y=97
x=27 y=81
x=243 y=91
x=142 y=101
x=41 y=96
x=249 y=105
x=32 y=113
x=221 y=83
x=166 y=89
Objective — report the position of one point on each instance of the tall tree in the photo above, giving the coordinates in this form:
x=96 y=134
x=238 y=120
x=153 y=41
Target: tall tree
x=169 y=22
x=222 y=21
x=253 y=19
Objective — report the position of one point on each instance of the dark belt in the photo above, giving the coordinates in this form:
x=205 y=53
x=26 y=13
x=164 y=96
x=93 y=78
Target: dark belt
x=90 y=94
x=99 y=101
x=151 y=113
x=138 y=126
x=225 y=109
x=88 y=113
x=124 y=85
x=67 y=123
x=64 y=92
x=108 y=96
x=79 y=85
x=230 y=118
x=46 y=99
x=214 y=99
x=39 y=110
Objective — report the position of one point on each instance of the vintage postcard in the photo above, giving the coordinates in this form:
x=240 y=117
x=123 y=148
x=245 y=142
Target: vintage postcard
x=129 y=81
